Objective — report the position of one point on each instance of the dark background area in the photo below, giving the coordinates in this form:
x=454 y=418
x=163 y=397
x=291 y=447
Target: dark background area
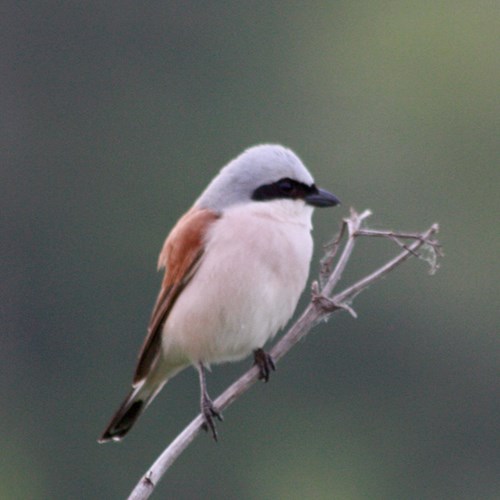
x=115 y=115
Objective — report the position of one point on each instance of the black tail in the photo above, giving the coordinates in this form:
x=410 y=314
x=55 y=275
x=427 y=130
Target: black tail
x=125 y=417
x=131 y=409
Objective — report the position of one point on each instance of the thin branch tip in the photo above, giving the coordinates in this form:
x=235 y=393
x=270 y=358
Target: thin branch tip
x=363 y=215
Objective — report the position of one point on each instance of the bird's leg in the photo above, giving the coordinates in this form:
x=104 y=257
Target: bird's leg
x=265 y=362
x=207 y=407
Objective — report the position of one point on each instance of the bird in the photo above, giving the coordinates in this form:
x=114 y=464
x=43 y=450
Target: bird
x=236 y=264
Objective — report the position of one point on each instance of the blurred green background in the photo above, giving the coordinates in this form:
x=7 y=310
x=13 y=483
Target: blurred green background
x=114 y=117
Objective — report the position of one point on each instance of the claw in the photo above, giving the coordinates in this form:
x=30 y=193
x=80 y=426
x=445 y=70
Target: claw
x=265 y=362
x=209 y=413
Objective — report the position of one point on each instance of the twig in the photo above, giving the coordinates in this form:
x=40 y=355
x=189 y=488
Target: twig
x=322 y=305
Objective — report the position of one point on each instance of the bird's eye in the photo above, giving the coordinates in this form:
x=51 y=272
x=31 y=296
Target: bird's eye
x=286 y=187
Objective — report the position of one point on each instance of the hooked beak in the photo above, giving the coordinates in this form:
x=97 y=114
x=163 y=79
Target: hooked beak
x=321 y=198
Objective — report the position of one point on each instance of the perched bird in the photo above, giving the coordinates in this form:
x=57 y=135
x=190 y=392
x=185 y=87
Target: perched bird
x=235 y=266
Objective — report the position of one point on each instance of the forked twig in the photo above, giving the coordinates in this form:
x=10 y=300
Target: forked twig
x=322 y=305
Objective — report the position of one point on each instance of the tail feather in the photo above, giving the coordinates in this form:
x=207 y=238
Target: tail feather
x=128 y=413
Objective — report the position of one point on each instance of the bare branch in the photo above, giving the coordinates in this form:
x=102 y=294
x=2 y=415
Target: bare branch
x=352 y=291
x=322 y=305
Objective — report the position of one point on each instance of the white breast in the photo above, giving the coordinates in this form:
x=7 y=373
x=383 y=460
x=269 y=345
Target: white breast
x=253 y=271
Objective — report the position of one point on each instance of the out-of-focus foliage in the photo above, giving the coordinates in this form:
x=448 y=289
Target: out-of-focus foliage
x=114 y=117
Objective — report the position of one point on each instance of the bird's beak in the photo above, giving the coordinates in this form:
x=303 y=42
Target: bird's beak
x=321 y=198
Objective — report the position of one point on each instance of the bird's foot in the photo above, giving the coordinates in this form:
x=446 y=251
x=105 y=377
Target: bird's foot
x=265 y=362
x=209 y=414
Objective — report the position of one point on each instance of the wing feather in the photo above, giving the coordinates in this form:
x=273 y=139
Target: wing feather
x=181 y=255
